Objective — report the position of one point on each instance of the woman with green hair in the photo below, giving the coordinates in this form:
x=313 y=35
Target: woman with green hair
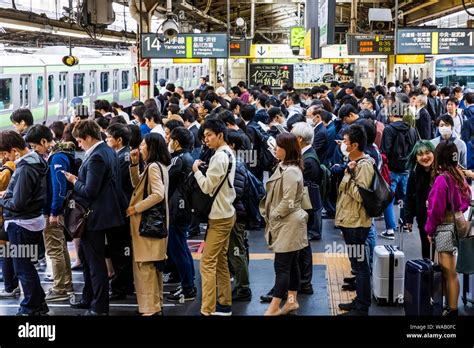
x=421 y=177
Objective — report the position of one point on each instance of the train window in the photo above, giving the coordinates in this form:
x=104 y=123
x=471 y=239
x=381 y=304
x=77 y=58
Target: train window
x=92 y=84
x=50 y=87
x=78 y=82
x=155 y=76
x=24 y=92
x=39 y=90
x=125 y=79
x=104 y=82
x=115 y=81
x=176 y=72
x=5 y=94
x=167 y=74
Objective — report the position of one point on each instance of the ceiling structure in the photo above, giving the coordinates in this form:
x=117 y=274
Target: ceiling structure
x=273 y=18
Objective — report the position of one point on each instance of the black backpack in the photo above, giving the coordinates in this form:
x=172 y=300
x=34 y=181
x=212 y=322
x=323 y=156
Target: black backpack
x=265 y=158
x=401 y=149
x=201 y=203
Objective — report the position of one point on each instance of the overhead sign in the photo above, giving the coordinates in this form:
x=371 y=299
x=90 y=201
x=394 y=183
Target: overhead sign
x=326 y=17
x=435 y=41
x=410 y=59
x=208 y=45
x=370 y=44
x=276 y=51
x=272 y=75
x=240 y=48
x=297 y=37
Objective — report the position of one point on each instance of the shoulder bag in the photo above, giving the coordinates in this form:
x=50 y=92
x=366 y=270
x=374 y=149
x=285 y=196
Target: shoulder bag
x=153 y=220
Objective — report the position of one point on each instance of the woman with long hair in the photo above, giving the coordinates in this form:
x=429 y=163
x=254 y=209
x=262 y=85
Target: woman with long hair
x=450 y=194
x=285 y=219
x=420 y=164
x=149 y=254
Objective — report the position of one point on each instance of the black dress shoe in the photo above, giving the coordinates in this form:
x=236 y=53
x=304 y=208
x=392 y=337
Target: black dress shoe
x=306 y=290
x=242 y=295
x=316 y=236
x=349 y=287
x=80 y=305
x=350 y=280
x=346 y=306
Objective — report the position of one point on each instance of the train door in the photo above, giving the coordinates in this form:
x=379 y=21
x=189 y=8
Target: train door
x=92 y=88
x=63 y=94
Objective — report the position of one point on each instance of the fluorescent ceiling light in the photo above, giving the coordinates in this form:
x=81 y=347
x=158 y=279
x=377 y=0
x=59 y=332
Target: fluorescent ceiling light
x=19 y=26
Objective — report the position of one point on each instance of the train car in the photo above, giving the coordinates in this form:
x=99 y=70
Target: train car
x=44 y=85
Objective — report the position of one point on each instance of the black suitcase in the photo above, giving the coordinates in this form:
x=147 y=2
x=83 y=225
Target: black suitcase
x=423 y=288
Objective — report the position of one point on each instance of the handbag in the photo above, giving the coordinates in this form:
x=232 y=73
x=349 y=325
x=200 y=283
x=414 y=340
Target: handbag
x=465 y=262
x=153 y=220
x=445 y=238
x=314 y=194
x=306 y=200
x=75 y=216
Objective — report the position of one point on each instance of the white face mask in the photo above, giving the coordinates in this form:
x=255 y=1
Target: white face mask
x=309 y=121
x=344 y=151
x=170 y=146
x=181 y=104
x=445 y=131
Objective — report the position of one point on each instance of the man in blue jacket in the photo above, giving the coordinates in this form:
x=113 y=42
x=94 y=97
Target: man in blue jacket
x=96 y=187
x=61 y=158
x=23 y=203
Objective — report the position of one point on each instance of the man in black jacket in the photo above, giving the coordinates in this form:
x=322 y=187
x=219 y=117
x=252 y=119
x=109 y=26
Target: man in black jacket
x=181 y=141
x=118 y=240
x=320 y=142
x=98 y=187
x=311 y=175
x=23 y=203
x=398 y=140
x=238 y=252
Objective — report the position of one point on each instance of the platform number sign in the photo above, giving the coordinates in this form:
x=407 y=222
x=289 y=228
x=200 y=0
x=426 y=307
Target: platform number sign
x=209 y=45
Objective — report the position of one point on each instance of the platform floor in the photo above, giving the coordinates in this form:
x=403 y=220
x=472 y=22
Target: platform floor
x=329 y=269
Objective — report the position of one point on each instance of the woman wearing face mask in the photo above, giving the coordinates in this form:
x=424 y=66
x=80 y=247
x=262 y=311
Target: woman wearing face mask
x=420 y=164
x=445 y=124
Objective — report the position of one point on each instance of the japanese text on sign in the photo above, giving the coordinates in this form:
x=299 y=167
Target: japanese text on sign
x=270 y=74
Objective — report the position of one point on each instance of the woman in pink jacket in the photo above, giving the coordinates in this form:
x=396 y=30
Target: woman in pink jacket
x=449 y=188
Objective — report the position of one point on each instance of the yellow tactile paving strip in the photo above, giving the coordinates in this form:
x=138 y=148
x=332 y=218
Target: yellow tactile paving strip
x=337 y=268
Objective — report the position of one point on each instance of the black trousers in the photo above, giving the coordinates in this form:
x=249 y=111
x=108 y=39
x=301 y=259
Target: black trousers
x=96 y=281
x=425 y=243
x=287 y=273
x=305 y=264
x=119 y=249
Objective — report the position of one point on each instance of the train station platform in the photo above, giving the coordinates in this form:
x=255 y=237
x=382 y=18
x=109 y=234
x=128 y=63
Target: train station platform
x=330 y=266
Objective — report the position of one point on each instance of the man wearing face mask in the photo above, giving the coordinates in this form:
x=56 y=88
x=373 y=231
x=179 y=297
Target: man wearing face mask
x=320 y=142
x=445 y=125
x=351 y=216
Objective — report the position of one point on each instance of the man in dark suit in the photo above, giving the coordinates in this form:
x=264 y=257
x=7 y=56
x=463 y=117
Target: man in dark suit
x=320 y=142
x=311 y=175
x=118 y=240
x=97 y=187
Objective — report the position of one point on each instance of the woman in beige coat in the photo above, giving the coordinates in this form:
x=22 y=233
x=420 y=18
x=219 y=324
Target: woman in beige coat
x=149 y=254
x=285 y=219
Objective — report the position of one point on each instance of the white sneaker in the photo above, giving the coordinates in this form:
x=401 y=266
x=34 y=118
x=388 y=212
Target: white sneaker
x=15 y=293
x=387 y=235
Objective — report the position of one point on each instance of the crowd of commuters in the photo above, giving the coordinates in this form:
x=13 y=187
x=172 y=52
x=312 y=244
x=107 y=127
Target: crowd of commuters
x=261 y=156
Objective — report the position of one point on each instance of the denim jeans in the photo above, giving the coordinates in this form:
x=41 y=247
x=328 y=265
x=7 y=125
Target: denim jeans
x=24 y=268
x=370 y=243
x=355 y=239
x=178 y=252
x=10 y=280
x=399 y=187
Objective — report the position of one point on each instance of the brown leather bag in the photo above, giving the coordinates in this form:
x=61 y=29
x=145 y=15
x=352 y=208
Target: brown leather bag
x=75 y=216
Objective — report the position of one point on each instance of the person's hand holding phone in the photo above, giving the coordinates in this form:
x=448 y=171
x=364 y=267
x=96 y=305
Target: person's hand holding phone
x=69 y=177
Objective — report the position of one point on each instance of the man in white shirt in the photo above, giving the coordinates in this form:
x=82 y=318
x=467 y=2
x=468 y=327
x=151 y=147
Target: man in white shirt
x=214 y=264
